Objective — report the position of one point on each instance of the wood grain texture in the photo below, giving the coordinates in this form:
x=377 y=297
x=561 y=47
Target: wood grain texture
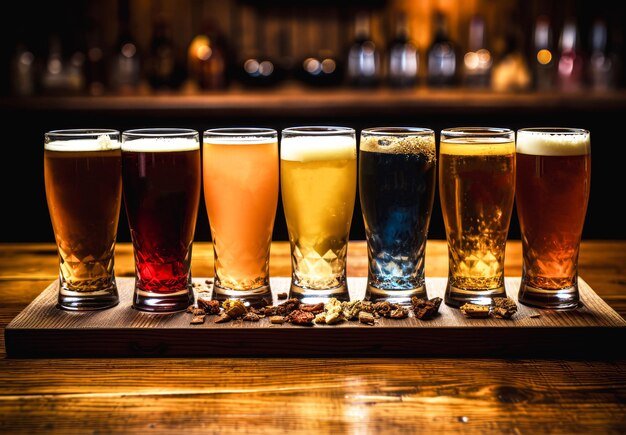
x=310 y=395
x=43 y=330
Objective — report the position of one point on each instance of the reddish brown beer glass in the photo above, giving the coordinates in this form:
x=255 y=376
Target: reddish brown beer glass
x=552 y=192
x=161 y=183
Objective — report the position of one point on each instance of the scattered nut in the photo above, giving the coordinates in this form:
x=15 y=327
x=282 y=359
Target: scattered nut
x=195 y=320
x=299 y=317
x=278 y=320
x=223 y=318
x=367 y=318
x=251 y=317
x=425 y=309
x=475 y=310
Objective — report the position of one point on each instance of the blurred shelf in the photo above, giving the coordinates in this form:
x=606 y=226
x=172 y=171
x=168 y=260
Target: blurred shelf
x=326 y=102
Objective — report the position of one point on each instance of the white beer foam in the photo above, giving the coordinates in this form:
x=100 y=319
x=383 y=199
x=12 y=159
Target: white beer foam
x=102 y=143
x=239 y=140
x=545 y=143
x=160 y=145
x=316 y=148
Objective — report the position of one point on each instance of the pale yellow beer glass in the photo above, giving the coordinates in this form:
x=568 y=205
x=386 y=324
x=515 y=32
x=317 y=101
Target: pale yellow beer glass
x=318 y=183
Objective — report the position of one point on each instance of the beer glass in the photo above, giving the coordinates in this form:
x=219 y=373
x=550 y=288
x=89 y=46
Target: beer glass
x=83 y=182
x=240 y=167
x=477 y=190
x=318 y=184
x=397 y=173
x=553 y=179
x=161 y=184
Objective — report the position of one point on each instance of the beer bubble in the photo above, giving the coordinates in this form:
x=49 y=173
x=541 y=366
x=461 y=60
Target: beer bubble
x=423 y=145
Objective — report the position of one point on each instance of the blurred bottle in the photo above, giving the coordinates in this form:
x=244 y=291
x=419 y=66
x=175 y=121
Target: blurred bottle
x=23 y=71
x=322 y=67
x=570 y=67
x=54 y=74
x=511 y=72
x=402 y=56
x=363 y=57
x=544 y=61
x=162 y=65
x=125 y=75
x=95 y=62
x=477 y=61
x=75 y=69
x=441 y=55
x=603 y=62
x=258 y=68
x=208 y=58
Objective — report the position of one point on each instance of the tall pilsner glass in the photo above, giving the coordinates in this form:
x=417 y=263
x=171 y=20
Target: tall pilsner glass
x=397 y=174
x=318 y=183
x=477 y=190
x=161 y=184
x=553 y=181
x=241 y=196
x=83 y=179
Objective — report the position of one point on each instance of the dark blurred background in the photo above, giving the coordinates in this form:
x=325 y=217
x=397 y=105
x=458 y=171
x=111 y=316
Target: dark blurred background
x=211 y=63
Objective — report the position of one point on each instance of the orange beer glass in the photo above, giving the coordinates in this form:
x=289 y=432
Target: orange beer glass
x=240 y=168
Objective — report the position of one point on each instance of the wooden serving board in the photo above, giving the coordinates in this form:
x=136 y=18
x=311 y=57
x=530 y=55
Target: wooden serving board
x=43 y=330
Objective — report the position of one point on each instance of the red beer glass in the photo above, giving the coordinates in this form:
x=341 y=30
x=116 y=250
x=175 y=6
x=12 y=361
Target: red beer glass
x=161 y=177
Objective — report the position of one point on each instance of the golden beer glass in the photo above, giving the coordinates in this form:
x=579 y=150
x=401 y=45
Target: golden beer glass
x=477 y=190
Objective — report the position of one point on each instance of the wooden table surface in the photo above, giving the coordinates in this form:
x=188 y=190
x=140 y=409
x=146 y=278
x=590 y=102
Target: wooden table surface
x=355 y=395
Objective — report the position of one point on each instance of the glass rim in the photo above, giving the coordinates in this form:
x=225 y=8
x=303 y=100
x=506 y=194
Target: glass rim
x=487 y=132
x=400 y=131
x=318 y=130
x=81 y=133
x=557 y=131
x=240 y=132
x=160 y=132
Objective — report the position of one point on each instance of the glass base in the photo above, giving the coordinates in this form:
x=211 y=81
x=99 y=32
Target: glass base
x=394 y=296
x=87 y=301
x=456 y=297
x=257 y=298
x=312 y=296
x=153 y=302
x=562 y=299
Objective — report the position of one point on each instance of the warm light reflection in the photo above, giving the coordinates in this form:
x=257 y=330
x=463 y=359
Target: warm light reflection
x=477 y=60
x=544 y=56
x=129 y=50
x=328 y=66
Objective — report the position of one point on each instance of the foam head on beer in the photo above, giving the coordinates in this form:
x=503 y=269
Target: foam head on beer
x=317 y=148
x=553 y=143
x=160 y=144
x=101 y=143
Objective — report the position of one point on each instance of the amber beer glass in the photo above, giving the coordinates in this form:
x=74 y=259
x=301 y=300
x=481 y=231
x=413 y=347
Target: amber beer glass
x=477 y=190
x=397 y=174
x=83 y=181
x=553 y=179
x=318 y=184
x=161 y=183
x=240 y=167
